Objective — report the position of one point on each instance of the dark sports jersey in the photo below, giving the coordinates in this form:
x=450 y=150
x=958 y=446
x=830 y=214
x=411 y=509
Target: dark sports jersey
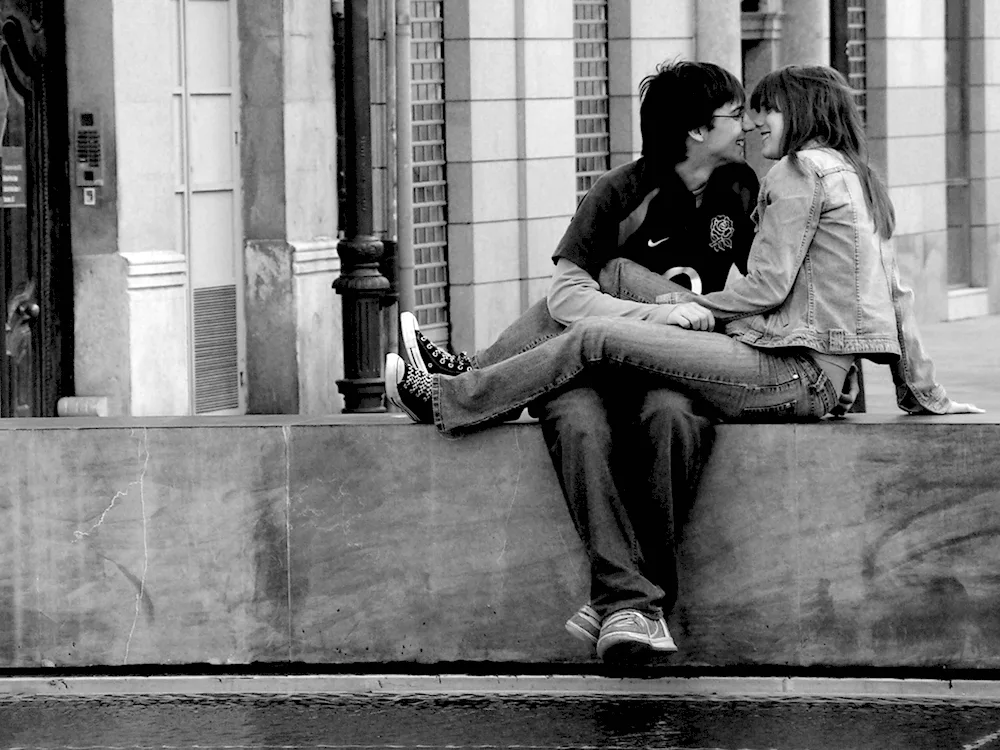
x=669 y=234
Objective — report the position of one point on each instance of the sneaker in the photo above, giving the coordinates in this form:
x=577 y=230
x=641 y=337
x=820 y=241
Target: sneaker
x=629 y=632
x=585 y=624
x=427 y=356
x=409 y=389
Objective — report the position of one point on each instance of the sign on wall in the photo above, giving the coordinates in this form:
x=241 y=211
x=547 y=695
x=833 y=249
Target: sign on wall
x=13 y=183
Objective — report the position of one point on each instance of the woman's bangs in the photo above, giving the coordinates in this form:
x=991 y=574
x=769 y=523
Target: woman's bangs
x=768 y=94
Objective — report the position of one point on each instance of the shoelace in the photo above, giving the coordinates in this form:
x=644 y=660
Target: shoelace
x=444 y=358
x=417 y=384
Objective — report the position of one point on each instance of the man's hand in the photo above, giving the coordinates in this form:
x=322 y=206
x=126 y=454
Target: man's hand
x=690 y=315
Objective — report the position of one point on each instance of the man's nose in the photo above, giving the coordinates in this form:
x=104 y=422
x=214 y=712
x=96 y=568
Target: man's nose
x=748 y=124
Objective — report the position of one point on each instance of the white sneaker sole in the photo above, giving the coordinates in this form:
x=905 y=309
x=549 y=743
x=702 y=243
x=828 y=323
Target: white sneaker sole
x=408 y=327
x=633 y=645
x=394 y=371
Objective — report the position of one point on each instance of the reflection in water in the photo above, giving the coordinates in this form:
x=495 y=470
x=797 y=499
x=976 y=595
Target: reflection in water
x=312 y=721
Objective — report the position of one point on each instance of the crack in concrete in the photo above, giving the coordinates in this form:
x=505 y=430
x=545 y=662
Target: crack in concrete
x=80 y=535
x=513 y=499
x=145 y=544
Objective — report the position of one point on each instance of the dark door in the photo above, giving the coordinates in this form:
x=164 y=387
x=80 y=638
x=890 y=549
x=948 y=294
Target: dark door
x=36 y=289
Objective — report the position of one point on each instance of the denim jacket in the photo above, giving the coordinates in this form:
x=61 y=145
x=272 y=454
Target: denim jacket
x=819 y=276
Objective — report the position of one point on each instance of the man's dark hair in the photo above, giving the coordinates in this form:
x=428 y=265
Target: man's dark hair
x=681 y=96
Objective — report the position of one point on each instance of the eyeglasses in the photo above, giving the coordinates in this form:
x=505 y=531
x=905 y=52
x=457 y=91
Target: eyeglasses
x=737 y=115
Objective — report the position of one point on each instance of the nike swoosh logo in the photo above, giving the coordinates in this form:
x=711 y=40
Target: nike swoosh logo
x=658 y=242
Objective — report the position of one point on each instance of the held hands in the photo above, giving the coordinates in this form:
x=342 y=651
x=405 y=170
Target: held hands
x=689 y=315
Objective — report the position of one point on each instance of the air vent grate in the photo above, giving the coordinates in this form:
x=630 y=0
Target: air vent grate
x=216 y=356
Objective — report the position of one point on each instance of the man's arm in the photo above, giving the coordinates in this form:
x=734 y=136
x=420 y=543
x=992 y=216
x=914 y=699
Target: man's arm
x=575 y=294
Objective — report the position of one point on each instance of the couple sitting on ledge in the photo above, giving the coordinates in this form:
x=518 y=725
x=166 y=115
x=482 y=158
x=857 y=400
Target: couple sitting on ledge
x=627 y=369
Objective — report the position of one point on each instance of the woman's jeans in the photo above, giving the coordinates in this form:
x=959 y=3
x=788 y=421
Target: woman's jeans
x=737 y=381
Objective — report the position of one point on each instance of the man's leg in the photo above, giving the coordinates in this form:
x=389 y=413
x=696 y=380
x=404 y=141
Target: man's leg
x=579 y=438
x=669 y=443
x=621 y=278
x=531 y=328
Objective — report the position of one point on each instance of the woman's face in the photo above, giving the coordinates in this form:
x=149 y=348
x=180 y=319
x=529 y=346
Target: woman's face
x=771 y=125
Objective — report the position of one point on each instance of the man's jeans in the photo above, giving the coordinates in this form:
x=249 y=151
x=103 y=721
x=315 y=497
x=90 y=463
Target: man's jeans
x=628 y=465
x=739 y=382
x=620 y=278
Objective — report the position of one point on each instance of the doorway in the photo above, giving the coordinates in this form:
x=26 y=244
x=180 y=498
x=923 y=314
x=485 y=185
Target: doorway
x=35 y=260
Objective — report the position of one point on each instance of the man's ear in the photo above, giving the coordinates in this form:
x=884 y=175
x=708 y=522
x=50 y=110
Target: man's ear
x=698 y=134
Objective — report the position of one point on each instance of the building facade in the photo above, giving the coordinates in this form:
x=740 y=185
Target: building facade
x=191 y=186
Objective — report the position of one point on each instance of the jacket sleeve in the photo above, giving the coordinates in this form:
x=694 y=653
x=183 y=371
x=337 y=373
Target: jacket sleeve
x=793 y=202
x=913 y=373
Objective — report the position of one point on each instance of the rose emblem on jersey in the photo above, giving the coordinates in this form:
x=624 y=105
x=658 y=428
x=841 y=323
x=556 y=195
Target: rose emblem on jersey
x=721 y=232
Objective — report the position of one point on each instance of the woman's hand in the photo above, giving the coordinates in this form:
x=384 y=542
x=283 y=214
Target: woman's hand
x=956 y=408
x=691 y=315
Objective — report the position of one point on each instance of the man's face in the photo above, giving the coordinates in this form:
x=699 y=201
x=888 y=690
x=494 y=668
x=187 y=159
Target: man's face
x=771 y=124
x=726 y=139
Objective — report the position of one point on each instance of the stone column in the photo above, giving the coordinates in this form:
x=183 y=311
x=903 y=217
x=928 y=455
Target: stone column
x=805 y=38
x=718 y=34
x=641 y=34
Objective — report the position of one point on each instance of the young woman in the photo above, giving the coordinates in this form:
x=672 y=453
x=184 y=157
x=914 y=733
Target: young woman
x=822 y=288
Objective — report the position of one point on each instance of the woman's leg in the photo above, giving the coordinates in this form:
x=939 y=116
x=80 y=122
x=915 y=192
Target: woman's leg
x=737 y=380
x=626 y=279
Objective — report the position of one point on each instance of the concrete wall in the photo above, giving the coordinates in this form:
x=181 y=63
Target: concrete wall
x=862 y=543
x=906 y=126
x=509 y=120
x=131 y=278
x=985 y=146
x=294 y=349
x=100 y=300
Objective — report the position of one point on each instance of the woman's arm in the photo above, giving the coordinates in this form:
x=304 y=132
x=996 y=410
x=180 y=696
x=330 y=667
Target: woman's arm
x=917 y=391
x=794 y=200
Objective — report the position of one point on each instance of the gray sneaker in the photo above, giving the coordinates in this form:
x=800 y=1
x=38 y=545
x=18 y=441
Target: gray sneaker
x=630 y=633
x=585 y=624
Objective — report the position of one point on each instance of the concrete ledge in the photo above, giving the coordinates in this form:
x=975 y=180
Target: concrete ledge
x=869 y=542
x=465 y=685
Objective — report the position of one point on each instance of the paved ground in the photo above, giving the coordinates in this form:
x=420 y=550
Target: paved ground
x=966 y=354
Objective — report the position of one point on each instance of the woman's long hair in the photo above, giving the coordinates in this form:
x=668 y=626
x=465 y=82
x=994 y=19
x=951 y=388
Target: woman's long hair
x=818 y=105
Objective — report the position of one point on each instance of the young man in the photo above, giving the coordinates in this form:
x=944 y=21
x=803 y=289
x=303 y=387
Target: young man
x=680 y=214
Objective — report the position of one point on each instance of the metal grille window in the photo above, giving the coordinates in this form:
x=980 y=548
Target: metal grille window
x=857 y=64
x=590 y=62
x=430 y=197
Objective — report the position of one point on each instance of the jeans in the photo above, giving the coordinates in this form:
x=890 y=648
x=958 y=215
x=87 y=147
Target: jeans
x=737 y=381
x=628 y=465
x=621 y=278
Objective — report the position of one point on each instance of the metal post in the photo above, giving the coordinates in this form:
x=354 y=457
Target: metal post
x=404 y=159
x=360 y=283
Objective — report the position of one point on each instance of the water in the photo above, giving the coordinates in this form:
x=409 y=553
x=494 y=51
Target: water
x=527 y=722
